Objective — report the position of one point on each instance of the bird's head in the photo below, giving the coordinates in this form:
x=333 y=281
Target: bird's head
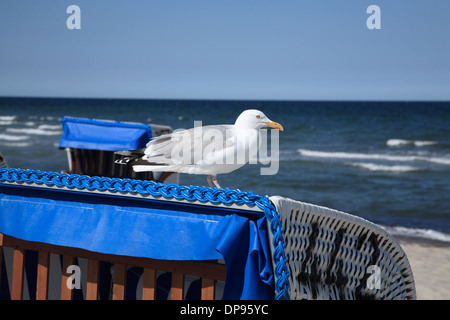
x=256 y=119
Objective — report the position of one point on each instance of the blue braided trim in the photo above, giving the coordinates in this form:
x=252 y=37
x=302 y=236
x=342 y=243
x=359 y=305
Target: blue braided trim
x=169 y=191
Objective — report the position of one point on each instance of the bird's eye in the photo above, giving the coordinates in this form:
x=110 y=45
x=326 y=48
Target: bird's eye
x=258 y=117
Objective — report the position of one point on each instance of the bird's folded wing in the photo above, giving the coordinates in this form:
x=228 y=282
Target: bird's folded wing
x=190 y=146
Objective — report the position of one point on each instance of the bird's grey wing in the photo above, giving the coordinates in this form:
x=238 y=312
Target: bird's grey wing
x=218 y=137
x=159 y=149
x=187 y=146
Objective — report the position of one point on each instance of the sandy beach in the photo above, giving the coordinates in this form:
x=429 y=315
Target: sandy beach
x=430 y=262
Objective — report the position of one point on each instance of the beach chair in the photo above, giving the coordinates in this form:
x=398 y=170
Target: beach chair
x=91 y=143
x=273 y=247
x=3 y=163
x=334 y=255
x=170 y=237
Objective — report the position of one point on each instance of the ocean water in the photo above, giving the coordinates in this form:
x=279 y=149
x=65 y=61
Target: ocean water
x=388 y=162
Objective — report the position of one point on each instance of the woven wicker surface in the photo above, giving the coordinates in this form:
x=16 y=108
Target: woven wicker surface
x=335 y=255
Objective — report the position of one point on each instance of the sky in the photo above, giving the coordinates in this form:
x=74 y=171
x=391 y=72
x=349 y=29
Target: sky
x=212 y=49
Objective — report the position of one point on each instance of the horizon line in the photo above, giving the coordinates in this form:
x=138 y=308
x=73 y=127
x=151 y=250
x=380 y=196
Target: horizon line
x=223 y=99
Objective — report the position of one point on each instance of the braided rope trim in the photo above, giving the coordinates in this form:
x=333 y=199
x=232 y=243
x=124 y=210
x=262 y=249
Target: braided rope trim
x=168 y=191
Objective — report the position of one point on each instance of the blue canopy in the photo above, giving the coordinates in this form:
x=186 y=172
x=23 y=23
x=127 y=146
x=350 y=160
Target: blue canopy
x=141 y=227
x=103 y=135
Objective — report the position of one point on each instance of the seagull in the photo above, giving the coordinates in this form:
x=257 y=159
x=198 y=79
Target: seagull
x=209 y=150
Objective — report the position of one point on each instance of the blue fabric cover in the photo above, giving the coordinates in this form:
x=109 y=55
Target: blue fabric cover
x=145 y=228
x=103 y=135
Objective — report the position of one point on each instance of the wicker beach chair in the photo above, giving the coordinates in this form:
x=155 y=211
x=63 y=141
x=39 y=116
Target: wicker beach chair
x=91 y=145
x=334 y=255
x=306 y=251
x=3 y=163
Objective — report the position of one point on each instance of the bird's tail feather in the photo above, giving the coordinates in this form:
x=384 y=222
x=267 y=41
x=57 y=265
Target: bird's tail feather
x=128 y=156
x=144 y=168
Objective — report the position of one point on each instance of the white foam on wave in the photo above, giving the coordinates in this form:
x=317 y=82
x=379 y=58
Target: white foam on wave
x=402 y=142
x=397 y=142
x=350 y=155
x=9 y=137
x=442 y=160
x=15 y=144
x=8 y=118
x=419 y=233
x=424 y=143
x=380 y=167
x=372 y=156
x=32 y=131
x=50 y=127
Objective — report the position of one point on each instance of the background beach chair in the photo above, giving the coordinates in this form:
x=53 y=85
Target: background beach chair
x=91 y=143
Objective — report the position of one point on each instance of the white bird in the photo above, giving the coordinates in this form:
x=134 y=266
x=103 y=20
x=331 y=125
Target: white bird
x=210 y=150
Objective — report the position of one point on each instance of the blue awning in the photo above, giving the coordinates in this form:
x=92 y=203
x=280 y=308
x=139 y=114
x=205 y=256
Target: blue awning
x=103 y=135
x=143 y=227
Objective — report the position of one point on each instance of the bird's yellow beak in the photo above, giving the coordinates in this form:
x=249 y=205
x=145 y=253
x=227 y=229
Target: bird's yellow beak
x=274 y=125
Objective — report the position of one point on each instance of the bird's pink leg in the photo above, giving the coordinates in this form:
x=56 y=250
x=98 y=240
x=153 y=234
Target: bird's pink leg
x=209 y=181
x=214 y=179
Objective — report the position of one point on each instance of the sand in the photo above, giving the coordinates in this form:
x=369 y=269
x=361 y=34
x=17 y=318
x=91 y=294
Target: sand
x=430 y=263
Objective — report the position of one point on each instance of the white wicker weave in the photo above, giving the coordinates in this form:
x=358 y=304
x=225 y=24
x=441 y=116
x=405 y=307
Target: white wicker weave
x=335 y=255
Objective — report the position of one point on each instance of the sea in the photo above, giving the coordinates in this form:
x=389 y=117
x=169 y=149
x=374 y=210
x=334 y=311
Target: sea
x=388 y=162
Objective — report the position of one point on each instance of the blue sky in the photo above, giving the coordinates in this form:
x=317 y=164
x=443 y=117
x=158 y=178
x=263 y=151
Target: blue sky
x=211 y=49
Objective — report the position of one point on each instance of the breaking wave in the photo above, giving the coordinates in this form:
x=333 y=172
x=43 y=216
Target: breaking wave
x=15 y=144
x=35 y=131
x=428 y=234
x=50 y=127
x=9 y=137
x=372 y=156
x=7 y=120
x=402 y=142
x=381 y=167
